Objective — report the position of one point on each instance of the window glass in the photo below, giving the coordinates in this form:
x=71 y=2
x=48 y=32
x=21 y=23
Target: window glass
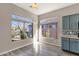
x=21 y=28
x=49 y=30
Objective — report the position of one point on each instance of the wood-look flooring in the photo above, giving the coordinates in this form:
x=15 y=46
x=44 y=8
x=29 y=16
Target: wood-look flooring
x=43 y=50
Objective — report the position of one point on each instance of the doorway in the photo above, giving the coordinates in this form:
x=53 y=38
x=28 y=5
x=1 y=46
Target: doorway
x=48 y=31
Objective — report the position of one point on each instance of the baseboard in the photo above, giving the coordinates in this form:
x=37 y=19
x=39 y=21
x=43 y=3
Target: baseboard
x=50 y=44
x=15 y=49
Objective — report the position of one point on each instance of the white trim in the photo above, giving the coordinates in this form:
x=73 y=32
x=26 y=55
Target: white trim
x=48 y=20
x=50 y=44
x=15 y=48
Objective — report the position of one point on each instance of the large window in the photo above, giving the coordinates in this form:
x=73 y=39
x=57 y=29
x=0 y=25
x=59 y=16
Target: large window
x=21 y=28
x=49 y=30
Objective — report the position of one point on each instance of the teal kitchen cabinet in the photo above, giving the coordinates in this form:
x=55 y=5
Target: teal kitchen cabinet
x=70 y=44
x=65 y=22
x=78 y=19
x=74 y=45
x=77 y=42
x=73 y=22
x=65 y=43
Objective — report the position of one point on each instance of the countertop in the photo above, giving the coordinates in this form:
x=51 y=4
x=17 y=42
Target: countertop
x=71 y=36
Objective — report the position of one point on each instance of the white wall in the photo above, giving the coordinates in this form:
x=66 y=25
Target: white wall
x=6 y=10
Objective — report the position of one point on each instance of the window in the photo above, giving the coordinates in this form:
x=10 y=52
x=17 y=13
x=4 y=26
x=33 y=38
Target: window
x=49 y=30
x=28 y=29
x=21 y=28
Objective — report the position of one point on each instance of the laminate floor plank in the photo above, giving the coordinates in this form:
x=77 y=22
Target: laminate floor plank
x=43 y=50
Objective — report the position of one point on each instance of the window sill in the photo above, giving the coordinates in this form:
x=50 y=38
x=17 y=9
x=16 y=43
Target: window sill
x=13 y=40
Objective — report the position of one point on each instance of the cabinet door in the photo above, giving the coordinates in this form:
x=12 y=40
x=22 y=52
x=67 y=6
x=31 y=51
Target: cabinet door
x=78 y=20
x=73 y=45
x=74 y=22
x=77 y=46
x=65 y=43
x=65 y=23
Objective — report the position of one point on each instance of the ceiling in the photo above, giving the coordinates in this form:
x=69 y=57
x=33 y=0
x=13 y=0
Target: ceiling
x=43 y=7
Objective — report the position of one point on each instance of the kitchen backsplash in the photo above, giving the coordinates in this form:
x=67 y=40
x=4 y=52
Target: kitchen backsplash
x=70 y=33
